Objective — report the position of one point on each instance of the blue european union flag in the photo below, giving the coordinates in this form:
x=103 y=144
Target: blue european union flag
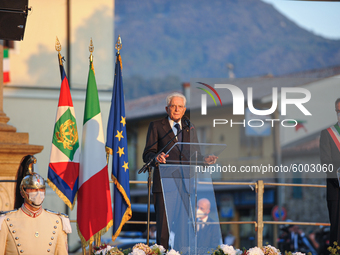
x=116 y=143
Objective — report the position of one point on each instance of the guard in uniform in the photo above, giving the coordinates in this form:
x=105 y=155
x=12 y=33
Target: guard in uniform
x=31 y=229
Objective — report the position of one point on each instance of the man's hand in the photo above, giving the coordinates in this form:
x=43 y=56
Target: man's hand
x=161 y=158
x=211 y=159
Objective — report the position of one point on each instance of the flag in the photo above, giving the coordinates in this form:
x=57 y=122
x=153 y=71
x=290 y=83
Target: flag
x=94 y=210
x=63 y=169
x=298 y=124
x=6 y=66
x=116 y=144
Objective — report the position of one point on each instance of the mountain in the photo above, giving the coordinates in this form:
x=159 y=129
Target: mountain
x=171 y=41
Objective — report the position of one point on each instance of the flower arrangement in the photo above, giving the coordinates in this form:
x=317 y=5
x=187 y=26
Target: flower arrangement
x=143 y=249
x=335 y=250
x=138 y=249
x=296 y=253
x=225 y=249
x=159 y=249
x=270 y=250
x=255 y=251
x=173 y=252
x=106 y=249
x=299 y=253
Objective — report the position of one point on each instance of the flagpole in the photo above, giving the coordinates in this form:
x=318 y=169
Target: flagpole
x=117 y=143
x=83 y=247
x=58 y=48
x=90 y=248
x=98 y=239
x=148 y=168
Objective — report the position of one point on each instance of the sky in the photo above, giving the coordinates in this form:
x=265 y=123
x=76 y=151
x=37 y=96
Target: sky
x=320 y=17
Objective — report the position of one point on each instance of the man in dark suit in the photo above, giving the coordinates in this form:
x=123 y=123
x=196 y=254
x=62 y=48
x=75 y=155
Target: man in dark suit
x=330 y=158
x=208 y=235
x=159 y=134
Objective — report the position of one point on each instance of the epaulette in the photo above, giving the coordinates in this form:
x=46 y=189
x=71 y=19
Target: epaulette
x=57 y=213
x=63 y=215
x=65 y=220
x=4 y=214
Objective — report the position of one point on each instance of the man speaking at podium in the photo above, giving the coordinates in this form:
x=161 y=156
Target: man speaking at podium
x=160 y=132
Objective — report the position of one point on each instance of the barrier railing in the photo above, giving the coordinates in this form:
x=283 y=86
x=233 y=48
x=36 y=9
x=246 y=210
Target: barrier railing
x=259 y=222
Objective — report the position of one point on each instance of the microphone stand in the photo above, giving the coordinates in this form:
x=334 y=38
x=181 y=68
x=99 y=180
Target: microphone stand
x=147 y=167
x=149 y=201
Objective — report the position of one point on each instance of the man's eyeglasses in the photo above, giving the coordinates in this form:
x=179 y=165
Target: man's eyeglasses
x=172 y=107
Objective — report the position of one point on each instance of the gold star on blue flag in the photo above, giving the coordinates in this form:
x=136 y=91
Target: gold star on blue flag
x=116 y=144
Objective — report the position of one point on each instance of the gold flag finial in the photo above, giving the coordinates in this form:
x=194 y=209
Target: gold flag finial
x=118 y=44
x=57 y=45
x=91 y=49
x=58 y=48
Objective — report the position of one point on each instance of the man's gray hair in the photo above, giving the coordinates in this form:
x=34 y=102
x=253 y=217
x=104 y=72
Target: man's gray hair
x=175 y=94
x=337 y=101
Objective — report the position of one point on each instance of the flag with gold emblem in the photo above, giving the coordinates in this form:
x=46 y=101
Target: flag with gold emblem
x=63 y=169
x=116 y=144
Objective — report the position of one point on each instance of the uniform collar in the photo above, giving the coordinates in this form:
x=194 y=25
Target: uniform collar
x=31 y=213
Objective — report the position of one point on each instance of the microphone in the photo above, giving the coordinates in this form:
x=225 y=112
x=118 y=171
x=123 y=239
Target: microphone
x=145 y=167
x=188 y=123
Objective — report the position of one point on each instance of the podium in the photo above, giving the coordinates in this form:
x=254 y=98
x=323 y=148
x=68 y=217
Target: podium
x=187 y=184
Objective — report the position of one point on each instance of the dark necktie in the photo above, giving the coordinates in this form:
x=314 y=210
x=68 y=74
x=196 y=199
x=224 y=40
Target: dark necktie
x=179 y=133
x=200 y=225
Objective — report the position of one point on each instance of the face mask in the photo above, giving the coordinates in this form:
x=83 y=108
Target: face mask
x=338 y=115
x=200 y=213
x=37 y=197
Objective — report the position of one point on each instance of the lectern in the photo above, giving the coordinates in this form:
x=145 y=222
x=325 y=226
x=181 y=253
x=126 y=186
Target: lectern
x=184 y=184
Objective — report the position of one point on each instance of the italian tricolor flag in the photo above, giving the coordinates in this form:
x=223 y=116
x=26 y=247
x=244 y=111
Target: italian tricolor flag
x=6 y=66
x=94 y=211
